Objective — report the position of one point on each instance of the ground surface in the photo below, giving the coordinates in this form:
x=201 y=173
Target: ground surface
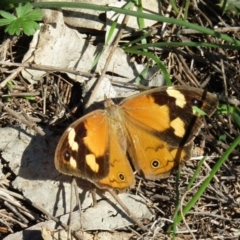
x=217 y=213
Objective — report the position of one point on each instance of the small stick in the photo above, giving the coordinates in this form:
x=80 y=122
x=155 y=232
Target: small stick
x=44 y=68
x=124 y=207
x=21 y=119
x=118 y=37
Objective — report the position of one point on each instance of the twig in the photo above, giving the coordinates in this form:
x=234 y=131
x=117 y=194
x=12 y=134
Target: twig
x=16 y=212
x=226 y=95
x=22 y=94
x=124 y=207
x=21 y=119
x=65 y=226
x=118 y=37
x=41 y=67
x=10 y=77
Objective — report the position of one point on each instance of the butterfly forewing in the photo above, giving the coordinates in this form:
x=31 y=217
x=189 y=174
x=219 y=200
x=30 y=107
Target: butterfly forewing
x=83 y=149
x=161 y=125
x=168 y=113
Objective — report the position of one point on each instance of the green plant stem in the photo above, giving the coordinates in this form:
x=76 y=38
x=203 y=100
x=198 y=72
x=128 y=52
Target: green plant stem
x=182 y=44
x=206 y=182
x=155 y=17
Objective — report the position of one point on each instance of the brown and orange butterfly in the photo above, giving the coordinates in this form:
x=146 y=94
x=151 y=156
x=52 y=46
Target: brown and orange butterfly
x=154 y=129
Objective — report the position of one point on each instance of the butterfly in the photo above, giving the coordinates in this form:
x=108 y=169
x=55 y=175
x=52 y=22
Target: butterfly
x=151 y=132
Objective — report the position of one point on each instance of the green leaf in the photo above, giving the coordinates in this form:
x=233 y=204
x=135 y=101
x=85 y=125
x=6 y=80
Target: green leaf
x=35 y=15
x=230 y=6
x=30 y=98
x=10 y=84
x=29 y=27
x=4 y=22
x=229 y=109
x=25 y=20
x=236 y=116
x=223 y=138
x=23 y=10
x=199 y=111
x=13 y=28
x=7 y=15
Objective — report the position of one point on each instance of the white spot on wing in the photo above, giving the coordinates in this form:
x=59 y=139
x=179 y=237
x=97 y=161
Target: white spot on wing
x=180 y=99
x=179 y=128
x=91 y=162
x=71 y=139
x=73 y=163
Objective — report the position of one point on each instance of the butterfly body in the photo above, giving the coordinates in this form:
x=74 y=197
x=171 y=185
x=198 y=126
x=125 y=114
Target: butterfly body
x=154 y=129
